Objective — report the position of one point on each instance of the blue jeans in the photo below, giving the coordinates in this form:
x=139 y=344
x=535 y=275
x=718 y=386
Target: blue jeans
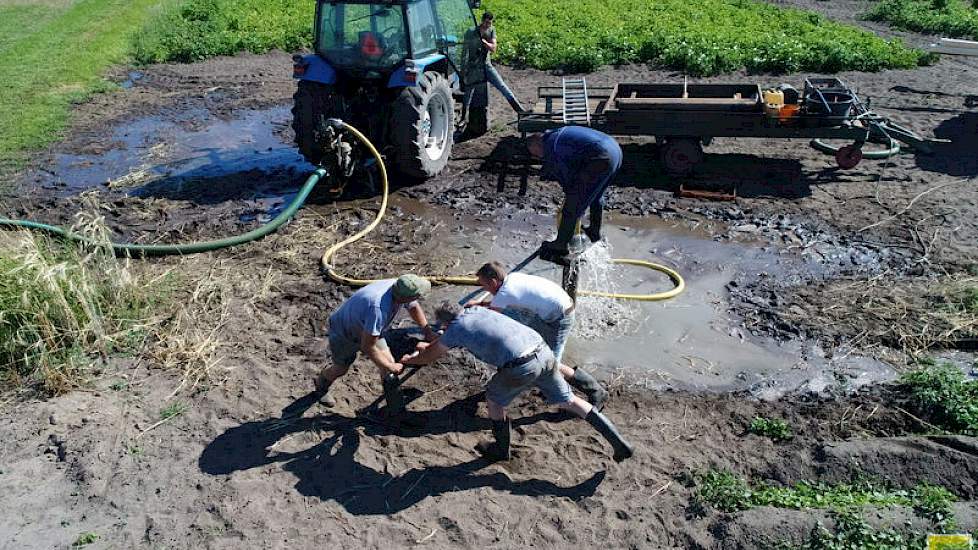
x=555 y=333
x=481 y=99
x=587 y=193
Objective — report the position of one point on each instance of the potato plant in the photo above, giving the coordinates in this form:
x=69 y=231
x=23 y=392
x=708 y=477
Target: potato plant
x=706 y=37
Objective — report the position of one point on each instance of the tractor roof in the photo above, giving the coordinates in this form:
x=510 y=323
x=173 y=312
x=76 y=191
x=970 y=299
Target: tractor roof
x=391 y=2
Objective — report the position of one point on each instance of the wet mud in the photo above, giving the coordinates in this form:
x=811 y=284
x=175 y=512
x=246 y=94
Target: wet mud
x=203 y=151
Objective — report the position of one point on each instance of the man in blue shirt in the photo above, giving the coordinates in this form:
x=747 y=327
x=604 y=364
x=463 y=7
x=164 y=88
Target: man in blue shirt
x=584 y=162
x=522 y=361
x=358 y=326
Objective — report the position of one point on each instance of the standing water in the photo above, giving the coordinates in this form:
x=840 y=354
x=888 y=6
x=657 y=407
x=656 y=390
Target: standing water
x=600 y=317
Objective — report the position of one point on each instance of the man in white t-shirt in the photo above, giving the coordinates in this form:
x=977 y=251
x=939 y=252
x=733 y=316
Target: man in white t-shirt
x=542 y=305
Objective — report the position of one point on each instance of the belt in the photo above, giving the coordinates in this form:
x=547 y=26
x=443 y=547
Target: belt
x=523 y=359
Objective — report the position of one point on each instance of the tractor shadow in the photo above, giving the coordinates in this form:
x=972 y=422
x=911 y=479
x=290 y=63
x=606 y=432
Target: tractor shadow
x=330 y=470
x=750 y=175
x=273 y=186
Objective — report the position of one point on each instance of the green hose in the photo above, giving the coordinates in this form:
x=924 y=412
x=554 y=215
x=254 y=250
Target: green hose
x=190 y=248
x=875 y=154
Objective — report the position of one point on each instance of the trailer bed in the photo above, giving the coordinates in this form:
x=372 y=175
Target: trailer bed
x=686 y=116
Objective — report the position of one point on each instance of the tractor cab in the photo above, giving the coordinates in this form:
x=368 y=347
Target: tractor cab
x=372 y=39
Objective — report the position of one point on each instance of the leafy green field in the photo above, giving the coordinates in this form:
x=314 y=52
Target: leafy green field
x=950 y=18
x=703 y=38
x=198 y=29
x=53 y=53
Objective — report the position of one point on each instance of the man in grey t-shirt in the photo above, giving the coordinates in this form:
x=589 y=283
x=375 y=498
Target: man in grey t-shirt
x=358 y=326
x=543 y=306
x=522 y=360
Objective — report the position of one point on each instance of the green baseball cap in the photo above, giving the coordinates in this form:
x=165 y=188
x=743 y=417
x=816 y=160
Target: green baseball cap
x=411 y=286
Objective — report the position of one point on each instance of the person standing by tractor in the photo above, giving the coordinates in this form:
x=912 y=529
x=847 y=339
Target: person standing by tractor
x=522 y=361
x=480 y=44
x=542 y=305
x=358 y=326
x=584 y=161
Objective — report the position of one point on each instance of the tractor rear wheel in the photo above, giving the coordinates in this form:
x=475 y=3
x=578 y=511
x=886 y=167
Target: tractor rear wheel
x=314 y=103
x=422 y=126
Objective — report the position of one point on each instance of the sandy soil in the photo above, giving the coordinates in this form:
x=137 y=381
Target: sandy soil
x=230 y=471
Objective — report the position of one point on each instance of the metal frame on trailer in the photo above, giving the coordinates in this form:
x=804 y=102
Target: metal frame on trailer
x=687 y=115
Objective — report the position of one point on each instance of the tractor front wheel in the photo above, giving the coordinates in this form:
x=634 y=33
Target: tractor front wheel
x=423 y=126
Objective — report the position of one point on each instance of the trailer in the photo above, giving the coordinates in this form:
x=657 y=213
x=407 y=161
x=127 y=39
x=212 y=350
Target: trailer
x=684 y=117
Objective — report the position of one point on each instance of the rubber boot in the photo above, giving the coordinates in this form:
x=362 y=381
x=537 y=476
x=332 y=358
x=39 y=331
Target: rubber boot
x=322 y=391
x=559 y=247
x=497 y=450
x=590 y=387
x=604 y=426
x=593 y=231
x=393 y=395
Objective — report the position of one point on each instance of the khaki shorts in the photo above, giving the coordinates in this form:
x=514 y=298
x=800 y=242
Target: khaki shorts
x=508 y=383
x=344 y=352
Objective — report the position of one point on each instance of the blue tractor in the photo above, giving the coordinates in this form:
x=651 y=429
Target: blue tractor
x=395 y=70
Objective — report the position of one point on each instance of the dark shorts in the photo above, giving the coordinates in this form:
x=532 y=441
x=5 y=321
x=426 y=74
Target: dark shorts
x=344 y=352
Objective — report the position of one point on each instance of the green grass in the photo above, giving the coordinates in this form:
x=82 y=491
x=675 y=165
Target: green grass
x=852 y=532
x=773 y=428
x=198 y=29
x=53 y=54
x=943 y=396
x=728 y=492
x=951 y=18
x=85 y=539
x=62 y=308
x=174 y=409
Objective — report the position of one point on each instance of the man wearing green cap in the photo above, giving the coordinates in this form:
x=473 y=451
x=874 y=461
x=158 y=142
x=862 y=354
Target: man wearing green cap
x=358 y=326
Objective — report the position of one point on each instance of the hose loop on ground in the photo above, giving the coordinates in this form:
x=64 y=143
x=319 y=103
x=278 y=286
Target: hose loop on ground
x=326 y=260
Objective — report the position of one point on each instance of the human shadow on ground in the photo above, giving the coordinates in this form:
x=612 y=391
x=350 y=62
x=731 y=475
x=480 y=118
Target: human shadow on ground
x=960 y=156
x=329 y=469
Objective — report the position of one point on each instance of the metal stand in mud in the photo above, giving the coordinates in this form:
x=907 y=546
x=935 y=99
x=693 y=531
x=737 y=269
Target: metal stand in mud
x=572 y=266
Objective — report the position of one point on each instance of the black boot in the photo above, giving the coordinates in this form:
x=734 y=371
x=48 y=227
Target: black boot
x=322 y=392
x=393 y=396
x=596 y=395
x=559 y=247
x=593 y=231
x=499 y=449
x=604 y=426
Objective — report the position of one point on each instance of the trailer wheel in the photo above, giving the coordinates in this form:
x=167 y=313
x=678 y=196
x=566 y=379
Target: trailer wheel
x=681 y=155
x=423 y=126
x=848 y=157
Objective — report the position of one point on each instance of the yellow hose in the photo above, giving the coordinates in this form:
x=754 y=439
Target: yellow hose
x=463 y=280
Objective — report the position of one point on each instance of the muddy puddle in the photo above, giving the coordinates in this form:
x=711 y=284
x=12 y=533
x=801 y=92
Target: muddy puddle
x=689 y=342
x=150 y=154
